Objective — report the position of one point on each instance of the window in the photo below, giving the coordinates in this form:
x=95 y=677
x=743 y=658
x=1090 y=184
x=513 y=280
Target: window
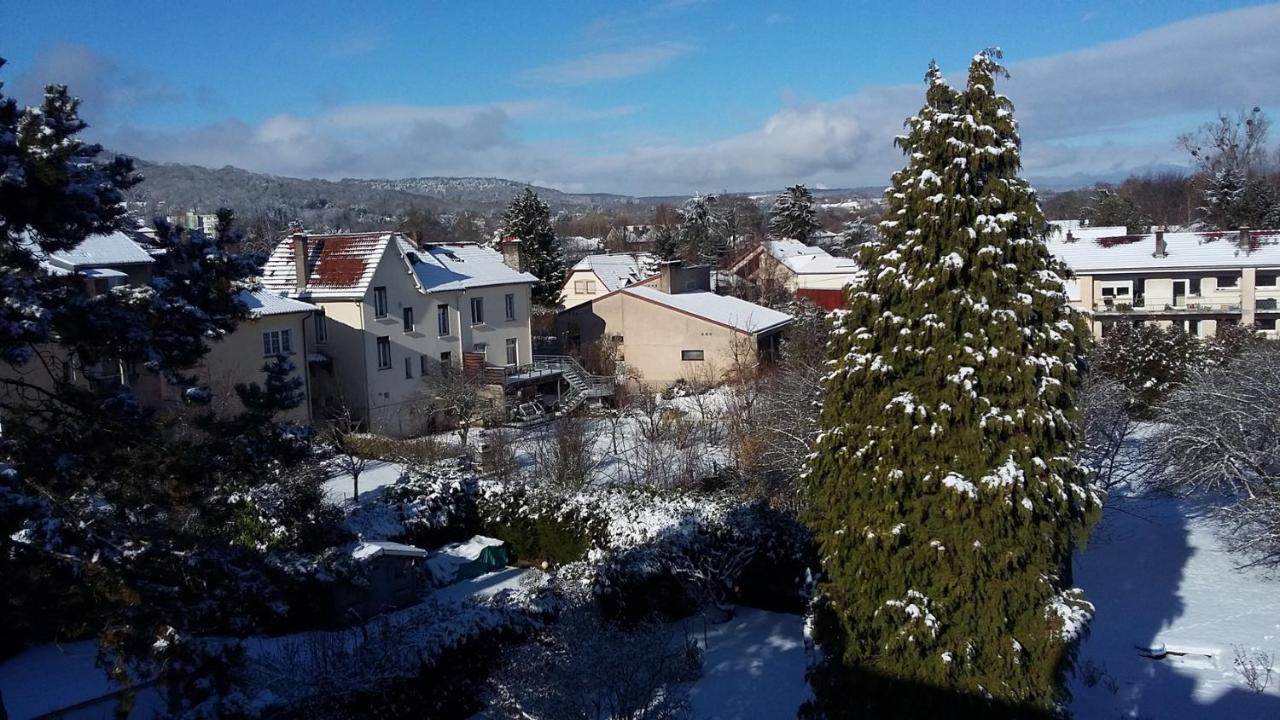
x=1266 y=324
x=510 y=302
x=408 y=369
x=579 y=287
x=408 y=320
x=384 y=353
x=1228 y=281
x=276 y=342
x=425 y=367
x=477 y=310
x=481 y=348
x=442 y=319
x=446 y=360
x=691 y=355
x=322 y=327
x=379 y=302
x=512 y=353
x=1266 y=279
x=1194 y=288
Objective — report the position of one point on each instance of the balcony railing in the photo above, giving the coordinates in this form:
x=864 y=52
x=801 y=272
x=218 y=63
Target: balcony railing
x=1190 y=306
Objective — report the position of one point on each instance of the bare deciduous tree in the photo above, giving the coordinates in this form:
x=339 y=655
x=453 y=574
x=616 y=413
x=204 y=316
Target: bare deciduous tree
x=1221 y=435
x=565 y=452
x=458 y=395
x=348 y=459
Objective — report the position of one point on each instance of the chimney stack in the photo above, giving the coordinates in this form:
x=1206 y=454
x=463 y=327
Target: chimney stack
x=1162 y=249
x=1245 y=239
x=511 y=252
x=1070 y=238
x=300 y=260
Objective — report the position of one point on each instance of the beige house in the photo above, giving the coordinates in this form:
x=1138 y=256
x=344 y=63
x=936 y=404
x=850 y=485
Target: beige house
x=1192 y=280
x=596 y=275
x=803 y=270
x=676 y=329
x=391 y=312
x=121 y=258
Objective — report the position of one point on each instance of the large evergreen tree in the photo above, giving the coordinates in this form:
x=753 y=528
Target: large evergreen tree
x=702 y=233
x=792 y=215
x=529 y=220
x=942 y=489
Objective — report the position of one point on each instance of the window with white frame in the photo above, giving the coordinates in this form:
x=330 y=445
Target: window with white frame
x=442 y=320
x=513 y=354
x=384 y=353
x=408 y=319
x=510 y=303
x=1265 y=323
x=477 y=311
x=1228 y=281
x=379 y=302
x=322 y=326
x=276 y=342
x=1267 y=279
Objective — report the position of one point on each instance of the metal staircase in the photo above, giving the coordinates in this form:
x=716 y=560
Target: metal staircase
x=583 y=386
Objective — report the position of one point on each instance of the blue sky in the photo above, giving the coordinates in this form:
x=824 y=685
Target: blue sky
x=668 y=97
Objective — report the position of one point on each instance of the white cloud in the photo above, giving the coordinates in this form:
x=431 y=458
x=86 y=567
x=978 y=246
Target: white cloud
x=599 y=67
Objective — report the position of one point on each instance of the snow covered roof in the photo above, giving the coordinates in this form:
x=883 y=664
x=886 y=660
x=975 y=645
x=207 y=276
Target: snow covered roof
x=109 y=250
x=618 y=270
x=371 y=549
x=805 y=259
x=265 y=304
x=1094 y=253
x=460 y=266
x=339 y=266
x=721 y=309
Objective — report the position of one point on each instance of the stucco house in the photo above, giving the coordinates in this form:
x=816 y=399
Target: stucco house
x=676 y=329
x=392 y=312
x=119 y=258
x=596 y=275
x=1193 y=280
x=804 y=270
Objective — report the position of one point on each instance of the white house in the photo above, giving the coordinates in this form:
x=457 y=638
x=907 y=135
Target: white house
x=1194 y=280
x=804 y=270
x=391 y=312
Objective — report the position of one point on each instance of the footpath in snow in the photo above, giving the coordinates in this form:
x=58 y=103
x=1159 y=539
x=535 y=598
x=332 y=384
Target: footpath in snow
x=752 y=669
x=1157 y=573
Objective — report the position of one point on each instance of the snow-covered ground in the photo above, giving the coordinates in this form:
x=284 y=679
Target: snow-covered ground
x=753 y=668
x=1157 y=573
x=379 y=473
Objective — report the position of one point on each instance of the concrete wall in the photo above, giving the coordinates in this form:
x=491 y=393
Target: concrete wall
x=238 y=358
x=653 y=337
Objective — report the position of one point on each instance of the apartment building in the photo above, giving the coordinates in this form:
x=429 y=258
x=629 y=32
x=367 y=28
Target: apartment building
x=1192 y=280
x=392 y=312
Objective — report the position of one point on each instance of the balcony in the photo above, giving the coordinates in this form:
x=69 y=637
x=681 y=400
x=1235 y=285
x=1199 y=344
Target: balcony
x=1182 y=306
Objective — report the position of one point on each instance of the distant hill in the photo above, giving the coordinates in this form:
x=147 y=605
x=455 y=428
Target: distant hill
x=478 y=192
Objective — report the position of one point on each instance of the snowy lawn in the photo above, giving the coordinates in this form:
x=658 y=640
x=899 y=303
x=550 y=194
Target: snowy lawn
x=378 y=474
x=1160 y=575
x=753 y=667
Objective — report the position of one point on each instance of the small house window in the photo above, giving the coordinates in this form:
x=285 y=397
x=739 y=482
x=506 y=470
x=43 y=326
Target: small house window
x=379 y=302
x=477 y=311
x=1228 y=281
x=510 y=302
x=442 y=319
x=1266 y=324
x=1266 y=279
x=276 y=342
x=580 y=287
x=446 y=361
x=322 y=327
x=408 y=369
x=691 y=355
x=1193 y=286
x=408 y=320
x=512 y=352
x=384 y=353
x=425 y=366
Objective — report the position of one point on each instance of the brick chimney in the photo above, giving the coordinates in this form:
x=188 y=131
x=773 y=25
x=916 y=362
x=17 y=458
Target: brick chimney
x=511 y=252
x=300 y=260
x=1162 y=249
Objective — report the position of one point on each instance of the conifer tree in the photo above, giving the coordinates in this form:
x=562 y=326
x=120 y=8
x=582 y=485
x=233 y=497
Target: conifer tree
x=942 y=490
x=792 y=215
x=529 y=220
x=701 y=235
x=665 y=244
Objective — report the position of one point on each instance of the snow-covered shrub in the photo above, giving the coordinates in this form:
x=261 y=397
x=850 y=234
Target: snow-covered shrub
x=539 y=525
x=436 y=503
x=288 y=514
